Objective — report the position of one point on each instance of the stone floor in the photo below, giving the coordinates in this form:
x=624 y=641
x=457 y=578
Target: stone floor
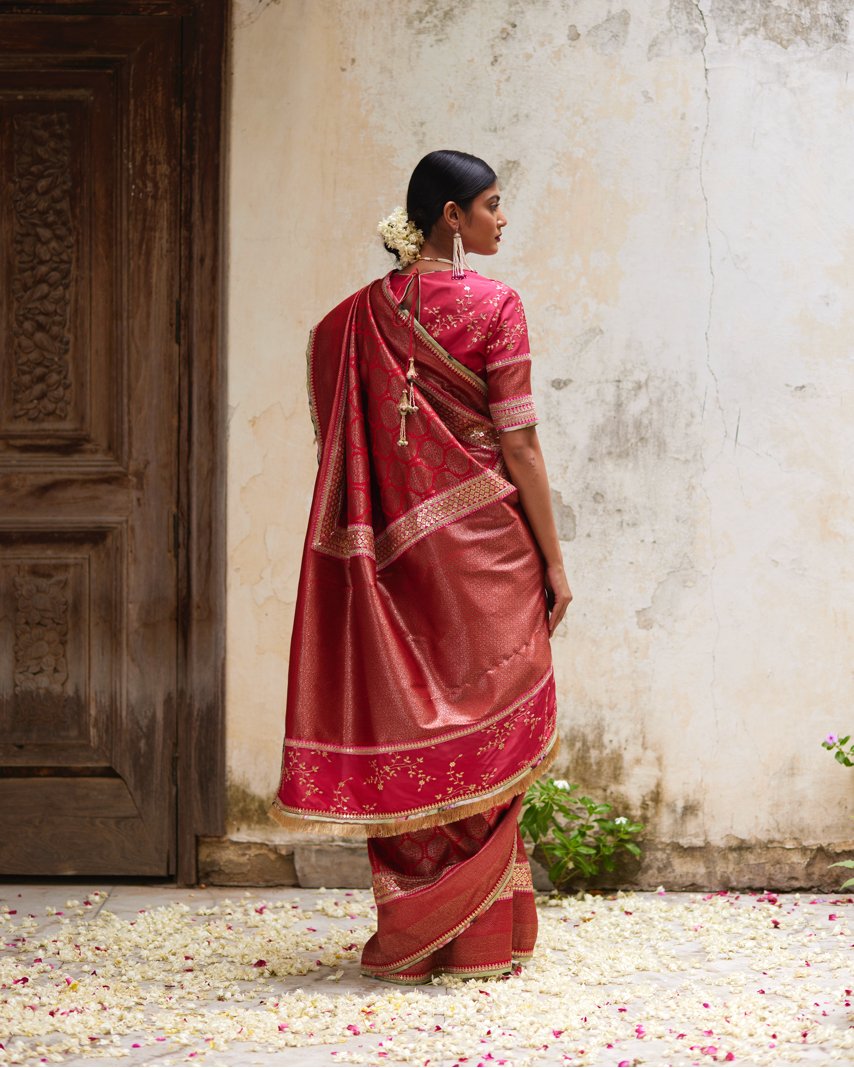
x=150 y=974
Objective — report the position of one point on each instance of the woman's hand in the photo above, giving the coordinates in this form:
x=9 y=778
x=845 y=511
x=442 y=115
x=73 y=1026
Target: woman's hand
x=559 y=595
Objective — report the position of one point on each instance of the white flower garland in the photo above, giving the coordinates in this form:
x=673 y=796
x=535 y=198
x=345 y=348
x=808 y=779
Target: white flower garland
x=402 y=235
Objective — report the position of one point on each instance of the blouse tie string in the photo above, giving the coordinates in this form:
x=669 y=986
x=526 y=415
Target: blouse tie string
x=406 y=405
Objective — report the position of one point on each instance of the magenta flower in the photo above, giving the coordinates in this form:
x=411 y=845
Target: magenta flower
x=831 y=739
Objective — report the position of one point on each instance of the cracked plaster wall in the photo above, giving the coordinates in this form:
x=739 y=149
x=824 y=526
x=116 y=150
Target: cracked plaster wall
x=679 y=179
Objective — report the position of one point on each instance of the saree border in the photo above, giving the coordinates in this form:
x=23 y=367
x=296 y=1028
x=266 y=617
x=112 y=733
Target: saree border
x=514 y=413
x=439 y=511
x=309 y=385
x=458 y=928
x=411 y=819
x=399 y=747
x=506 y=361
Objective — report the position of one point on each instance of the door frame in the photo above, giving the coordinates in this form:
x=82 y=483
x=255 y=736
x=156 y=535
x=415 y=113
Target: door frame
x=199 y=534
x=200 y=742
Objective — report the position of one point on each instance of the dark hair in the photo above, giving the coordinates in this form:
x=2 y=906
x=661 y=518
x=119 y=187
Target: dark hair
x=442 y=176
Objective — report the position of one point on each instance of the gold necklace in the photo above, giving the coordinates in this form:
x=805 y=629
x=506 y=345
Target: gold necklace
x=436 y=259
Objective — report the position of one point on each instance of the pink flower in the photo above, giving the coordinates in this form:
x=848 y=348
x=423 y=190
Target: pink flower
x=831 y=739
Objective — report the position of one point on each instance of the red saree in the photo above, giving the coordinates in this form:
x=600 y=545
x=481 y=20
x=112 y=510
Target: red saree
x=420 y=691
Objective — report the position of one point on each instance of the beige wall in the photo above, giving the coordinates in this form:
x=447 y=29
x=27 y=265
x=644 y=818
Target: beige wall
x=679 y=179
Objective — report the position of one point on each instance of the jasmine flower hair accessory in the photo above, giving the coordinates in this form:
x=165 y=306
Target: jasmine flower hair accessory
x=401 y=236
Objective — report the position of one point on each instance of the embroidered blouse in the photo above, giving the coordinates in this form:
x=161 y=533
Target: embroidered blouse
x=481 y=323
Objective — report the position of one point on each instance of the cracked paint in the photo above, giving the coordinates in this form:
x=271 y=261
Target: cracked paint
x=610 y=35
x=817 y=24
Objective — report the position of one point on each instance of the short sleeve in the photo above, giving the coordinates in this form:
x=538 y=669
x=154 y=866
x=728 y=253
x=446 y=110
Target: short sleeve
x=508 y=366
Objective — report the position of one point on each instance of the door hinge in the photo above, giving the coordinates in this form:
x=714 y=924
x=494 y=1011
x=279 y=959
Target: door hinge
x=177 y=322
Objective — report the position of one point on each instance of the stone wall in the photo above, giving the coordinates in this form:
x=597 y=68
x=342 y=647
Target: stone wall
x=679 y=180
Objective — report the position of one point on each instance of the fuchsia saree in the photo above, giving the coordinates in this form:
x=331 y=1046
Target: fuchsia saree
x=421 y=697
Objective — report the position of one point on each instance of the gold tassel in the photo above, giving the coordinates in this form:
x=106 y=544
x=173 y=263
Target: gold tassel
x=406 y=406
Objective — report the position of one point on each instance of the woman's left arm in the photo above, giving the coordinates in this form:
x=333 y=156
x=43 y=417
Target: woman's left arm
x=527 y=469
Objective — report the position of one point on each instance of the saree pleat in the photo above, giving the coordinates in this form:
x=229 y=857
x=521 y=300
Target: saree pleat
x=452 y=899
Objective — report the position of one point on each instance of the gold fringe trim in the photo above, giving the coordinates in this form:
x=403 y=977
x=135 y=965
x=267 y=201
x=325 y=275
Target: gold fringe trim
x=431 y=819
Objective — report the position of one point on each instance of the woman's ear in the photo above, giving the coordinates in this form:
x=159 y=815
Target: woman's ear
x=451 y=215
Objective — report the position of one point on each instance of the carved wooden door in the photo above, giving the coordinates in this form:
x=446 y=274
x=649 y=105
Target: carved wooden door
x=89 y=272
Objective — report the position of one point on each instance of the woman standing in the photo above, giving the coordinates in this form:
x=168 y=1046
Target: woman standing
x=421 y=699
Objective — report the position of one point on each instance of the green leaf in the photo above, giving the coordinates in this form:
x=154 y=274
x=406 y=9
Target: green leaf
x=633 y=848
x=842 y=864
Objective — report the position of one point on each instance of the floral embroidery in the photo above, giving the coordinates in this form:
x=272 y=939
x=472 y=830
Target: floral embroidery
x=498 y=733
x=516 y=742
x=382 y=773
x=297 y=768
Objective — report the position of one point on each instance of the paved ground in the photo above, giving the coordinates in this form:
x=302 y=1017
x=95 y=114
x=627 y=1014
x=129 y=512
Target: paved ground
x=138 y=975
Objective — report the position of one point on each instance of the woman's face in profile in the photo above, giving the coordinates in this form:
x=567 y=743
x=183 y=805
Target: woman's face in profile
x=481 y=227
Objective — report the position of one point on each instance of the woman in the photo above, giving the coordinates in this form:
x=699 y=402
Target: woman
x=421 y=697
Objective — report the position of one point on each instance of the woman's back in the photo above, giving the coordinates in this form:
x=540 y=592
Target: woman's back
x=478 y=320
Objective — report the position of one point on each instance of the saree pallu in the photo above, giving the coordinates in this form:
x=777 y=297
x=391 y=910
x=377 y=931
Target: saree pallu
x=420 y=684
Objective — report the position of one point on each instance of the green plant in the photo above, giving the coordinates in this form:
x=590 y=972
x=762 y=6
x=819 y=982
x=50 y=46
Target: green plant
x=573 y=834
x=844 y=864
x=836 y=745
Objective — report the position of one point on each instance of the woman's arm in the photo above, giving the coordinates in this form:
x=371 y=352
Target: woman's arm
x=524 y=459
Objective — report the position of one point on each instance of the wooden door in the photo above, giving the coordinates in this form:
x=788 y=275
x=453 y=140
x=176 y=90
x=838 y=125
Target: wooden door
x=90 y=267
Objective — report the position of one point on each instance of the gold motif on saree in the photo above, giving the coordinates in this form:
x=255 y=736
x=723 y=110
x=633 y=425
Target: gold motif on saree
x=425 y=518
x=383 y=771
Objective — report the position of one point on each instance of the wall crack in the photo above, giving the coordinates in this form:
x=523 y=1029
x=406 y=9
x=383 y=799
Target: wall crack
x=707 y=331
x=707 y=218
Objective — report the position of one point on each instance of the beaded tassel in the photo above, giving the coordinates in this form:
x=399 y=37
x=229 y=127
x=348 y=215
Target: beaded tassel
x=406 y=405
x=459 y=262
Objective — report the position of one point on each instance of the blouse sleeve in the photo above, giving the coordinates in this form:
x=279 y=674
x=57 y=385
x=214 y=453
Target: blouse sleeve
x=508 y=366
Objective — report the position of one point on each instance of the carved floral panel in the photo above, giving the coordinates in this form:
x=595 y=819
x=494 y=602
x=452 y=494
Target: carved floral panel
x=44 y=243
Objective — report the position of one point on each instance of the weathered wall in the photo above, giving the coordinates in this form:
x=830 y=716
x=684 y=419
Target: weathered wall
x=679 y=179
